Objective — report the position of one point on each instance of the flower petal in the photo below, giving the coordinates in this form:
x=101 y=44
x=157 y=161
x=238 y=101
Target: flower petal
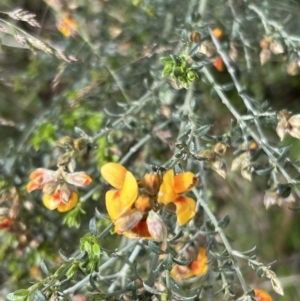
x=128 y=221
x=63 y=207
x=39 y=177
x=140 y=230
x=262 y=295
x=113 y=204
x=114 y=174
x=5 y=222
x=184 y=182
x=144 y=203
x=129 y=192
x=181 y=272
x=32 y=185
x=51 y=202
x=185 y=209
x=166 y=192
x=78 y=178
x=199 y=267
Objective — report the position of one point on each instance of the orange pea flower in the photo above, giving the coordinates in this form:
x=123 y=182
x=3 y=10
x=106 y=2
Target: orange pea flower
x=58 y=187
x=119 y=202
x=170 y=190
x=262 y=295
x=219 y=64
x=67 y=25
x=197 y=267
x=5 y=222
x=129 y=210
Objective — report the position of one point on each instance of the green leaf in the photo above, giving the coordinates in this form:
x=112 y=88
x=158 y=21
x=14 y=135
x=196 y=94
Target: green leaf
x=283 y=153
x=150 y=289
x=174 y=285
x=21 y=292
x=195 y=49
x=155 y=247
x=284 y=190
x=168 y=263
x=64 y=258
x=202 y=130
x=39 y=296
x=96 y=249
x=93 y=283
x=224 y=222
x=265 y=171
x=93 y=226
x=82 y=256
x=260 y=272
x=255 y=154
x=179 y=262
x=44 y=268
x=13 y=297
x=166 y=59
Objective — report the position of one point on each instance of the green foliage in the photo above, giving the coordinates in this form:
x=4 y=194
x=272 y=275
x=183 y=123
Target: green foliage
x=44 y=134
x=180 y=69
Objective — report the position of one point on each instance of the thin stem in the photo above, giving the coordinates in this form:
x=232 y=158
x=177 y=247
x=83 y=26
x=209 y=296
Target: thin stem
x=223 y=237
x=123 y=273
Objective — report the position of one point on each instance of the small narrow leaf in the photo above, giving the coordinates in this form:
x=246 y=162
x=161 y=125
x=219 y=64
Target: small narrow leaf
x=174 y=285
x=155 y=247
x=93 y=226
x=179 y=262
x=44 y=268
x=224 y=222
x=265 y=171
x=202 y=130
x=93 y=284
x=64 y=258
x=21 y=292
x=150 y=289
x=260 y=272
x=284 y=190
x=39 y=296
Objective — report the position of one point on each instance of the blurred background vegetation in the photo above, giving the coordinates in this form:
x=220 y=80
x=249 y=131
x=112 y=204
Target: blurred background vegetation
x=117 y=46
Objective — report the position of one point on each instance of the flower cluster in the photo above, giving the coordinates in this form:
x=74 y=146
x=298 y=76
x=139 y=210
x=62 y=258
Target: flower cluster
x=288 y=124
x=58 y=187
x=133 y=204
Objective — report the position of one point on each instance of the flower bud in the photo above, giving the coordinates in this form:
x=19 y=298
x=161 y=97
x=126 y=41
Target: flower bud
x=156 y=226
x=218 y=33
x=207 y=154
x=219 y=165
x=195 y=37
x=80 y=144
x=65 y=142
x=151 y=183
x=220 y=148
